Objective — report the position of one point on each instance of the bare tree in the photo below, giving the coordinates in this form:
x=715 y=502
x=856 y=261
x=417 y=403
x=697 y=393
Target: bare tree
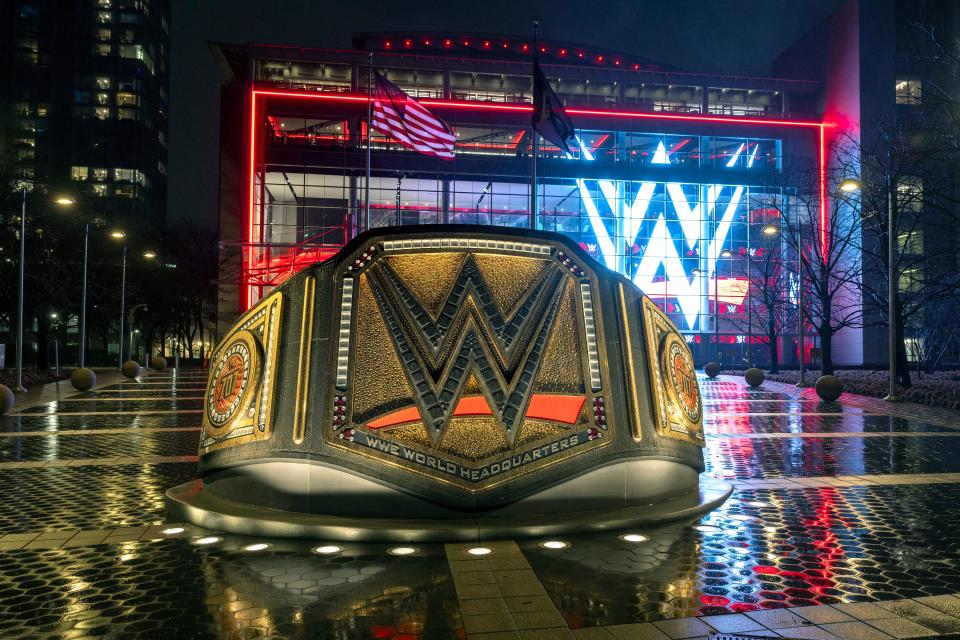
x=827 y=248
x=768 y=306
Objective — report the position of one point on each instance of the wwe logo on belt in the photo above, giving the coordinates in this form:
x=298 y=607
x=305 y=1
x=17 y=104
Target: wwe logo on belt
x=468 y=336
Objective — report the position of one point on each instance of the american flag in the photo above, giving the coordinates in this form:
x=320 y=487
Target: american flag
x=397 y=114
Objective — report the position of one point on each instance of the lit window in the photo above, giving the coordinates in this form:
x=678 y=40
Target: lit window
x=103 y=82
x=911 y=280
x=129 y=175
x=909 y=91
x=911 y=241
x=104 y=34
x=23 y=109
x=79 y=173
x=42 y=109
x=103 y=98
x=128 y=113
x=128 y=100
x=102 y=49
x=104 y=4
x=100 y=190
x=28 y=44
x=103 y=113
x=910 y=194
x=100 y=174
x=104 y=17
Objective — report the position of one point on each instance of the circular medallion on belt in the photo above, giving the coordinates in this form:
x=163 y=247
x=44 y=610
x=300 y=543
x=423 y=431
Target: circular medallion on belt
x=232 y=379
x=681 y=379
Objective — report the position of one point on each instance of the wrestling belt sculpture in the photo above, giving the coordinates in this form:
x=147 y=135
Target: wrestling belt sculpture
x=443 y=382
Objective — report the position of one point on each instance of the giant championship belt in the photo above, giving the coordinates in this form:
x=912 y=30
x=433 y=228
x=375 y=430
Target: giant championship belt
x=434 y=377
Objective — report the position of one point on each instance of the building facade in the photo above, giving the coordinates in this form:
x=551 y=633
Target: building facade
x=890 y=83
x=680 y=181
x=84 y=88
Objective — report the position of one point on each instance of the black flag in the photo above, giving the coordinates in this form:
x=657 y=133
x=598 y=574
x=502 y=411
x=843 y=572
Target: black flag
x=549 y=118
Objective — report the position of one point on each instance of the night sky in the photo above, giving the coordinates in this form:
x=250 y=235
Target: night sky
x=713 y=36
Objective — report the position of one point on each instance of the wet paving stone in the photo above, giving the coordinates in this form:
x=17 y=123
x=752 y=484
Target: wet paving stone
x=763 y=549
x=851 y=423
x=175 y=589
x=89 y=406
x=53 y=447
x=53 y=422
x=87 y=497
x=798 y=457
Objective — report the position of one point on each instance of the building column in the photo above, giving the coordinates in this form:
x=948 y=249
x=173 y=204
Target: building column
x=704 y=99
x=354 y=207
x=445 y=200
x=446 y=84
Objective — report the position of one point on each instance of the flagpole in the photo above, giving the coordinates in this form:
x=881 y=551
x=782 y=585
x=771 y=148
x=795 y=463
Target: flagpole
x=534 y=143
x=366 y=225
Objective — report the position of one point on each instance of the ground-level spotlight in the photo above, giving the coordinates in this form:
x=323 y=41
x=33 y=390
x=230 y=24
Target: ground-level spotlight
x=402 y=551
x=480 y=551
x=554 y=544
x=326 y=550
x=207 y=540
x=170 y=531
x=633 y=537
x=258 y=546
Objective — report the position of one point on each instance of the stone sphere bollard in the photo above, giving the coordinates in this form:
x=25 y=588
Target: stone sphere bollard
x=754 y=377
x=829 y=388
x=6 y=400
x=130 y=368
x=158 y=363
x=83 y=379
x=712 y=369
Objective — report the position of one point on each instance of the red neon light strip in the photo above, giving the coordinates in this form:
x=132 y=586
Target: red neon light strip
x=246 y=292
x=557 y=408
x=823 y=196
x=525 y=108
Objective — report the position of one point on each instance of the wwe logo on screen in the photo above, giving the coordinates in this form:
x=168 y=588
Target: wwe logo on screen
x=661 y=271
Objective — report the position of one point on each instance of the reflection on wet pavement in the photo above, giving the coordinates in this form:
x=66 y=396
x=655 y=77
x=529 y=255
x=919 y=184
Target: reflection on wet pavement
x=80 y=559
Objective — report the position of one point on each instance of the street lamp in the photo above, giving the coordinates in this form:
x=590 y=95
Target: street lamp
x=851 y=185
x=120 y=235
x=23 y=254
x=133 y=311
x=801 y=327
x=69 y=202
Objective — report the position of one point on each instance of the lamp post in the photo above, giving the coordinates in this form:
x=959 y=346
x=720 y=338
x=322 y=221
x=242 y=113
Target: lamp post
x=749 y=298
x=83 y=301
x=133 y=311
x=892 y=396
x=769 y=230
x=23 y=254
x=726 y=253
x=801 y=327
x=716 y=302
x=851 y=185
x=120 y=235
